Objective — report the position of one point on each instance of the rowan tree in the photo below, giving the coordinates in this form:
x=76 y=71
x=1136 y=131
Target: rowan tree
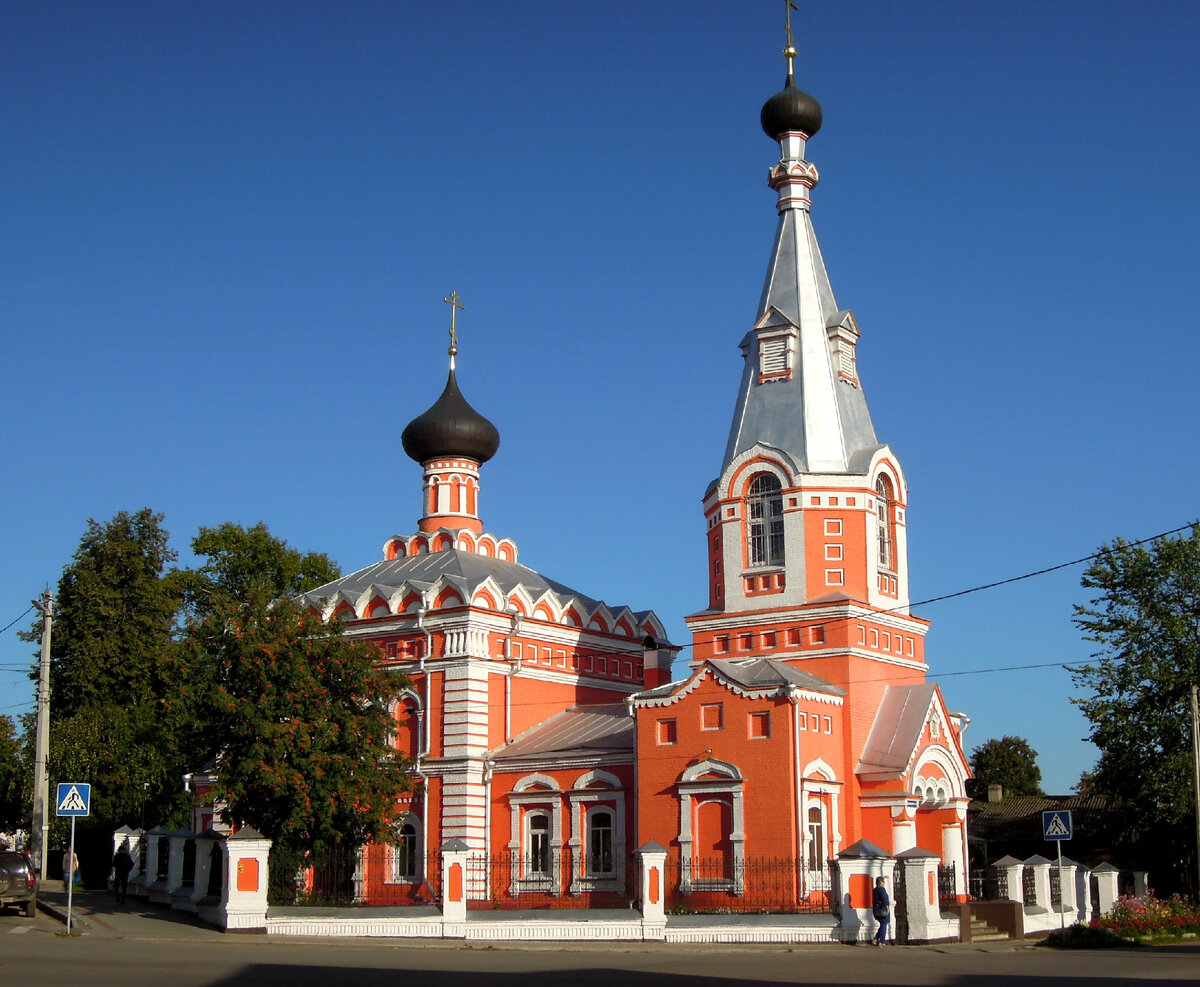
x=300 y=721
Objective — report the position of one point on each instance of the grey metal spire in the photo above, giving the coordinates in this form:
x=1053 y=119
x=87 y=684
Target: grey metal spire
x=800 y=391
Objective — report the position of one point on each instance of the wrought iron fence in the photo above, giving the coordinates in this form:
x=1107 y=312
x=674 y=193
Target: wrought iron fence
x=507 y=880
x=375 y=875
x=996 y=884
x=947 y=880
x=750 y=884
x=1029 y=885
x=1055 y=888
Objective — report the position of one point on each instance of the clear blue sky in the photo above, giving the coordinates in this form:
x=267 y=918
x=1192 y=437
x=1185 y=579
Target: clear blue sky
x=227 y=229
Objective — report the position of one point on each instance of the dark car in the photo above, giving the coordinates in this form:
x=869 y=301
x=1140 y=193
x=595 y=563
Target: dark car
x=18 y=882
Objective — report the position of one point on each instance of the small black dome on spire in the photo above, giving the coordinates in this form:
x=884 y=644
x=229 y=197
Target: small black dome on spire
x=790 y=109
x=450 y=428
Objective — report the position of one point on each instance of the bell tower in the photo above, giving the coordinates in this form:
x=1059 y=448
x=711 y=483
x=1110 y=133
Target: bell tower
x=806 y=521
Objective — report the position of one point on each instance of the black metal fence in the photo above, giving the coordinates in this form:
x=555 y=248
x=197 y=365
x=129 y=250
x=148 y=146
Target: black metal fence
x=749 y=884
x=947 y=882
x=507 y=880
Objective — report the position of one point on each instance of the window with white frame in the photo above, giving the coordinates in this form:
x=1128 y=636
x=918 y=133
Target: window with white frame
x=537 y=844
x=816 y=837
x=403 y=855
x=883 y=513
x=600 y=843
x=764 y=521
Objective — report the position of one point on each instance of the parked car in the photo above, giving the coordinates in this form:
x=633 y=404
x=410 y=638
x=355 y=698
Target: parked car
x=18 y=882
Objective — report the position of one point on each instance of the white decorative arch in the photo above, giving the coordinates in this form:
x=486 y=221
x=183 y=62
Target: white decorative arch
x=951 y=767
x=710 y=765
x=536 y=780
x=819 y=766
x=589 y=778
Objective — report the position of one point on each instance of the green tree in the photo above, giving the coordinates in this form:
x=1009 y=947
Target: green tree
x=1144 y=615
x=115 y=613
x=15 y=796
x=1009 y=762
x=300 y=722
x=245 y=564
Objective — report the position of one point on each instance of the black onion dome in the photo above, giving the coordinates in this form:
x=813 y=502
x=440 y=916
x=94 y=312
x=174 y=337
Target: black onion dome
x=450 y=428
x=790 y=109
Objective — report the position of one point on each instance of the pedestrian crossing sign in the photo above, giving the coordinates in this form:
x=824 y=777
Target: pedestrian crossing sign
x=74 y=798
x=1056 y=824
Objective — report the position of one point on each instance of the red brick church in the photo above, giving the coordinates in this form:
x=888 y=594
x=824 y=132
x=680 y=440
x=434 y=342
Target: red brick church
x=545 y=725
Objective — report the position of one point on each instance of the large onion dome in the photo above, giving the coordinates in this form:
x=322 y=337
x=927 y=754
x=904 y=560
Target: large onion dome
x=450 y=428
x=790 y=109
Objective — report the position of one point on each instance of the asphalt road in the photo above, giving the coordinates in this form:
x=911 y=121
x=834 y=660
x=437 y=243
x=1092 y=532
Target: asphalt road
x=35 y=952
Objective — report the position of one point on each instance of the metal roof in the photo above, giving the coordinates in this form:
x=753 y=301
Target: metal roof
x=465 y=569
x=605 y=728
x=897 y=728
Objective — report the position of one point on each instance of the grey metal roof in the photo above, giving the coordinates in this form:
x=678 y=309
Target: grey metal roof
x=465 y=569
x=897 y=728
x=821 y=421
x=770 y=673
x=578 y=730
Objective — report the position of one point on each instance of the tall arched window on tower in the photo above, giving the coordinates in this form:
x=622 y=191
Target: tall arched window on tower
x=883 y=513
x=764 y=520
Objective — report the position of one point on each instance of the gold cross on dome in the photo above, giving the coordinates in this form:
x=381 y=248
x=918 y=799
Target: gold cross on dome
x=455 y=304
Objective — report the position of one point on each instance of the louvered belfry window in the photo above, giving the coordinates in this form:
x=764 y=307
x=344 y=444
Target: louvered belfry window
x=764 y=516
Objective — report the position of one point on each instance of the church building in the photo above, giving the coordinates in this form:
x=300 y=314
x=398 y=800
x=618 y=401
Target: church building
x=544 y=725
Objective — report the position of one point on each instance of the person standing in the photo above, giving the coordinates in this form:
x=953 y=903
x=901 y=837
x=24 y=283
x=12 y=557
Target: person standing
x=70 y=867
x=122 y=864
x=881 y=909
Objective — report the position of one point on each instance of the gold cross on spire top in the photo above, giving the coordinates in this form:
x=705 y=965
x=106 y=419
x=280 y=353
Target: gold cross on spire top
x=790 y=51
x=455 y=304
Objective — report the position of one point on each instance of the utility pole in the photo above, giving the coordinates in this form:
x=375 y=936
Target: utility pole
x=1196 y=774
x=39 y=827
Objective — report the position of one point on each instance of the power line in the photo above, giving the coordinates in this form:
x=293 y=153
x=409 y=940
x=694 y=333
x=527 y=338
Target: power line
x=11 y=622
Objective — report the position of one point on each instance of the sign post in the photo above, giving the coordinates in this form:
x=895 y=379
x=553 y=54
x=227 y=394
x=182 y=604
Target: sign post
x=1056 y=825
x=73 y=799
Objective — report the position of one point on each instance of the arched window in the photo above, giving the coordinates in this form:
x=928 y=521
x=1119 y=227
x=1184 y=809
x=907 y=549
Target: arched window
x=764 y=520
x=600 y=843
x=404 y=855
x=883 y=514
x=816 y=838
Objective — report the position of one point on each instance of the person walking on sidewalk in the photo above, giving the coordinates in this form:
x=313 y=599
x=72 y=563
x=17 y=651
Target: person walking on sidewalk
x=881 y=910
x=122 y=864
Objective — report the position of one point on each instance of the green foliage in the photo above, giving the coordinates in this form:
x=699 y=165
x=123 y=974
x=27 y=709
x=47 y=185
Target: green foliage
x=299 y=721
x=113 y=616
x=16 y=795
x=1145 y=616
x=248 y=564
x=1010 y=762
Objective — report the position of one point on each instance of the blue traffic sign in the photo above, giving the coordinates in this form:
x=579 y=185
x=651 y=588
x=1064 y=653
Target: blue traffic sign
x=1056 y=824
x=74 y=798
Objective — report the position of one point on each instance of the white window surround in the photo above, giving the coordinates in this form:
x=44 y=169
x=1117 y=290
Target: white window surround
x=403 y=861
x=533 y=795
x=692 y=786
x=594 y=791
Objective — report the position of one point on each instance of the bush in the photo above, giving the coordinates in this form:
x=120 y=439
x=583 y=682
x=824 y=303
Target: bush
x=1149 y=918
x=1080 y=936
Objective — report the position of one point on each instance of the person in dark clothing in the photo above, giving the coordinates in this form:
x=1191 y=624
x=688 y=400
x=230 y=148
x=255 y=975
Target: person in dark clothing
x=881 y=909
x=122 y=864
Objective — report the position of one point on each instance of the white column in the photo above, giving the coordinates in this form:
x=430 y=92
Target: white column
x=246 y=856
x=653 y=858
x=454 y=888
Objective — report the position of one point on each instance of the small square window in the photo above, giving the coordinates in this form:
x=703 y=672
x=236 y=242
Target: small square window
x=817 y=634
x=814 y=723
x=828 y=724
x=760 y=726
x=768 y=639
x=815 y=501
x=851 y=501
x=721 y=645
x=668 y=732
x=833 y=502
x=802 y=723
x=602 y=666
x=833 y=526
x=834 y=553
x=711 y=716
x=745 y=642
x=835 y=577
x=793 y=637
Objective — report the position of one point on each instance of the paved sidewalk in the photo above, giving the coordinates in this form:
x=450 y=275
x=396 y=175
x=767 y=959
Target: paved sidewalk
x=95 y=913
